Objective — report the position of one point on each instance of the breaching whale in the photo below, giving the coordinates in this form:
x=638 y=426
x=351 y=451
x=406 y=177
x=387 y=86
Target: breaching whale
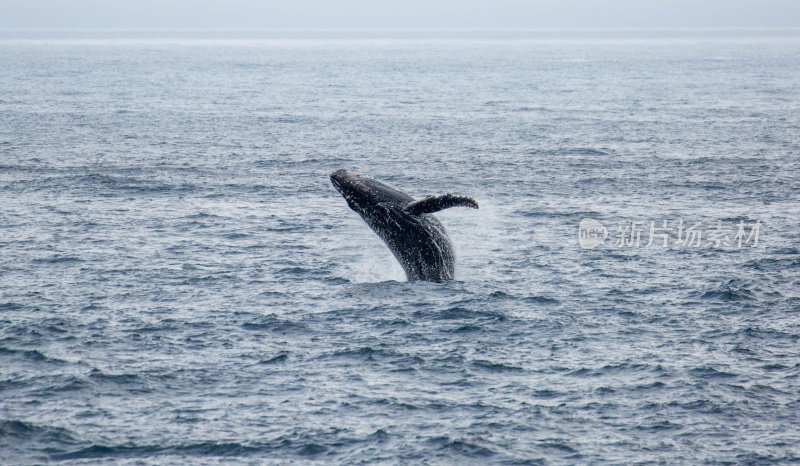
x=416 y=238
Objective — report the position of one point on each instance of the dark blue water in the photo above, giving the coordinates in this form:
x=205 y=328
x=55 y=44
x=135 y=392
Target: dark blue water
x=180 y=283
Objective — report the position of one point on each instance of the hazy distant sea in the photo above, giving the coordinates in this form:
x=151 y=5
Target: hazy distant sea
x=179 y=282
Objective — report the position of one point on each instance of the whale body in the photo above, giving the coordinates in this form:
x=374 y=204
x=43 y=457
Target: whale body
x=416 y=238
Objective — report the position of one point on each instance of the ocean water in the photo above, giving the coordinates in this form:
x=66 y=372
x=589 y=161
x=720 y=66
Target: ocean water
x=180 y=283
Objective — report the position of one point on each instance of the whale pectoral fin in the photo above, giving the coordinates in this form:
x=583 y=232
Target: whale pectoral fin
x=431 y=204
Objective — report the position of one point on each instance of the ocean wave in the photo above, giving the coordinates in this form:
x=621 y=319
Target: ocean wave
x=295 y=445
x=273 y=323
x=31 y=356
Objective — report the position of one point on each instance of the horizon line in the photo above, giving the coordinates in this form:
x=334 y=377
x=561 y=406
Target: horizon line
x=437 y=28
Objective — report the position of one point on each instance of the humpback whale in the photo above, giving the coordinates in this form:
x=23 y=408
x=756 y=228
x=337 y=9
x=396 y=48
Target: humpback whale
x=416 y=238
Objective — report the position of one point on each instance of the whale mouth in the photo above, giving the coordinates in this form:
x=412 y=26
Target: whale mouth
x=352 y=189
x=340 y=178
x=337 y=178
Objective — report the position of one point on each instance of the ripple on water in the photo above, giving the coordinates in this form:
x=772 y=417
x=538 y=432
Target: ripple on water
x=273 y=323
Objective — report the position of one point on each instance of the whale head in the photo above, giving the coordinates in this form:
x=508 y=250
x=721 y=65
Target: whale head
x=364 y=195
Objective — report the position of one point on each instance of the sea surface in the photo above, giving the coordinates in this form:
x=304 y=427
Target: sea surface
x=181 y=284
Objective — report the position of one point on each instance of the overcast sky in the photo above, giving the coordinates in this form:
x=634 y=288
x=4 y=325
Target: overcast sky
x=253 y=14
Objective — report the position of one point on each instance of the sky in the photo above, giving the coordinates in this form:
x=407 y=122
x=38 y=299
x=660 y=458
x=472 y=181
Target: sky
x=360 y=14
